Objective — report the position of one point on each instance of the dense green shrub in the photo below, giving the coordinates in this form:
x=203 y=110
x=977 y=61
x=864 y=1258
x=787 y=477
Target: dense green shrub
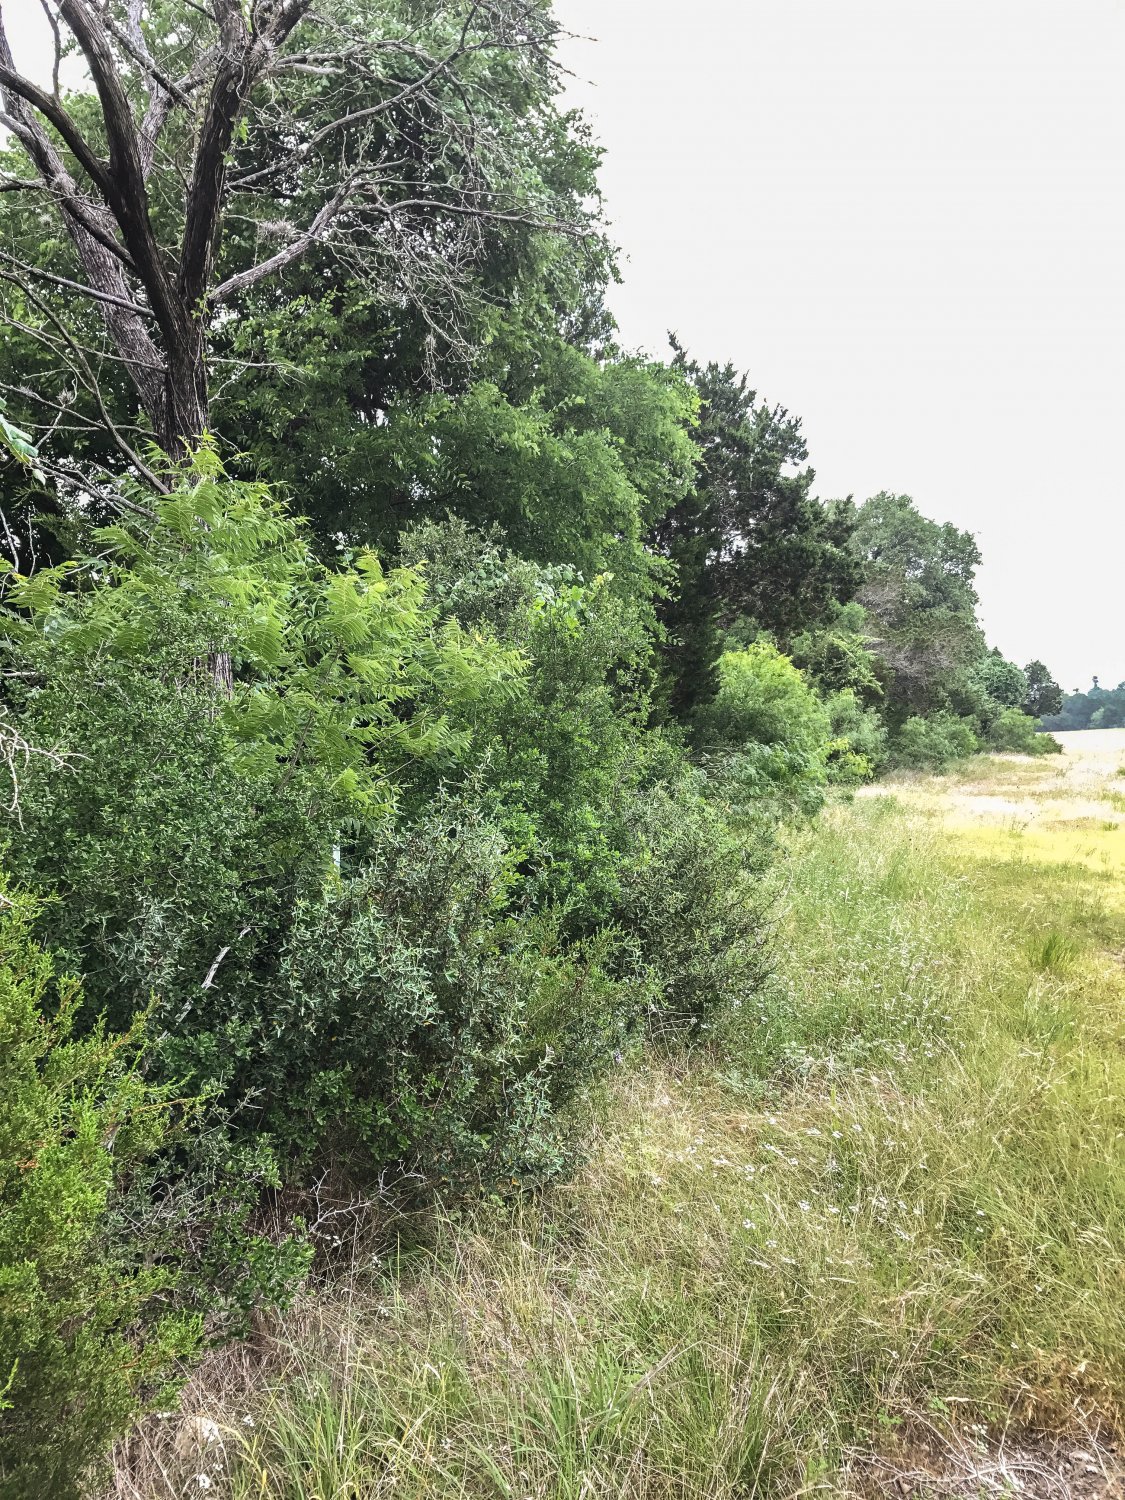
x=89 y=1327
x=691 y=899
x=230 y=712
x=858 y=747
x=765 y=734
x=933 y=743
x=1016 y=731
x=127 y=1225
x=613 y=826
x=422 y=1014
x=566 y=750
x=390 y=873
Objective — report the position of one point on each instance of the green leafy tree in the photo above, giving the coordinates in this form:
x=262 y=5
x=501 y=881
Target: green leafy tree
x=837 y=654
x=1044 y=696
x=749 y=539
x=1004 y=682
x=573 y=465
x=208 y=159
x=920 y=602
x=982 y=693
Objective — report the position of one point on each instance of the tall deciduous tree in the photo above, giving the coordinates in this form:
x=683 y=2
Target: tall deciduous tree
x=920 y=600
x=224 y=144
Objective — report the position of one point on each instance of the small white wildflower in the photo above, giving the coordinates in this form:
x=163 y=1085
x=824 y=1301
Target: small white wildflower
x=833 y=1210
x=248 y=1420
x=837 y=1135
x=812 y=1130
x=202 y=1482
x=749 y=1224
x=857 y=1127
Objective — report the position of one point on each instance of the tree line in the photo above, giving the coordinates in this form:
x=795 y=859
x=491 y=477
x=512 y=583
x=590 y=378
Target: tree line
x=1099 y=708
x=402 y=681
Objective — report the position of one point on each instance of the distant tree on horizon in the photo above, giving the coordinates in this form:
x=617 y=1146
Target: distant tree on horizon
x=1099 y=708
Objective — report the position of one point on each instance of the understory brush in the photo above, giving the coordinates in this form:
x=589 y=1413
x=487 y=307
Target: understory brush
x=105 y=1288
x=398 y=870
x=396 y=874
x=890 y=1188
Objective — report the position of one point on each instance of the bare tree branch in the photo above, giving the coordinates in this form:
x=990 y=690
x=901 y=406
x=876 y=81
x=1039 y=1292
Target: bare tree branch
x=291 y=252
x=76 y=286
x=16 y=756
x=56 y=34
x=91 y=383
x=14 y=83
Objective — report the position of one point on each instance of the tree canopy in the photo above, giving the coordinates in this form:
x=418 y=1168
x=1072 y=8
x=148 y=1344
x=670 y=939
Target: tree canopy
x=748 y=539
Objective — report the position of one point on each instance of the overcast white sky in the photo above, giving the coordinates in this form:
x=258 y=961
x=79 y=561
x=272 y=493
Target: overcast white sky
x=906 y=219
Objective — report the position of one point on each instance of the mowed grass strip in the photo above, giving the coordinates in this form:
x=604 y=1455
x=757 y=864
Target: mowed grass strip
x=891 y=1188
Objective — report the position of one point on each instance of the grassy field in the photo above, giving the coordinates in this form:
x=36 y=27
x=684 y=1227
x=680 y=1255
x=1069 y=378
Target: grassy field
x=888 y=1199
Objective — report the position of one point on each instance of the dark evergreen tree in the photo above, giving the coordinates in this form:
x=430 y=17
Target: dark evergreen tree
x=750 y=540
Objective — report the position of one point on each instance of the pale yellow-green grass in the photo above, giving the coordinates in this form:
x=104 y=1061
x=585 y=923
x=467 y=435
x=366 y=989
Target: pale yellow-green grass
x=892 y=1188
